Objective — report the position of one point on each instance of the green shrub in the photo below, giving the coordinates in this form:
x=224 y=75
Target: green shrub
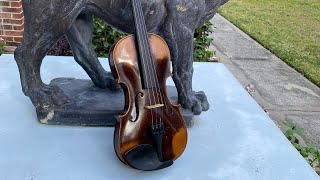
x=310 y=152
x=104 y=36
x=2 y=44
x=202 y=43
x=61 y=48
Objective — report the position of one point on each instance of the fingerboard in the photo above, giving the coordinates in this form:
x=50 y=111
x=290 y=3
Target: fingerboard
x=146 y=61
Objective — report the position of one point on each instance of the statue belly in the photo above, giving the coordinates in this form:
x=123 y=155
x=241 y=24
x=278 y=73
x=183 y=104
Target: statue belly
x=118 y=13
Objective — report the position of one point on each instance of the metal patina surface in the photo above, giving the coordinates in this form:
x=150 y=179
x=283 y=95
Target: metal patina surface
x=46 y=21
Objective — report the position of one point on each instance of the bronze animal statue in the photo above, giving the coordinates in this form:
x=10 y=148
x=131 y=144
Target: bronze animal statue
x=48 y=20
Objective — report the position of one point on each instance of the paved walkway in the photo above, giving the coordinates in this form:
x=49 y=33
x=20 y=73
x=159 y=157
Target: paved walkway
x=284 y=93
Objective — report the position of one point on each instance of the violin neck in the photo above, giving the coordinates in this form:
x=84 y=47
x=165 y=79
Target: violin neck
x=146 y=62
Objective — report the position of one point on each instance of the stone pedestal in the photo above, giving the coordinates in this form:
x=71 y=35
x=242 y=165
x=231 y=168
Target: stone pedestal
x=92 y=106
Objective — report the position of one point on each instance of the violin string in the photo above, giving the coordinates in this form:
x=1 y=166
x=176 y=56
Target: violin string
x=155 y=78
x=144 y=49
x=137 y=28
x=158 y=94
x=149 y=60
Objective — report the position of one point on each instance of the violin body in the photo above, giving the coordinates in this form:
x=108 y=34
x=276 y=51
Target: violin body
x=141 y=140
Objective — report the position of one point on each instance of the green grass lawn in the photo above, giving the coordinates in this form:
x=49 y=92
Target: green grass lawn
x=288 y=28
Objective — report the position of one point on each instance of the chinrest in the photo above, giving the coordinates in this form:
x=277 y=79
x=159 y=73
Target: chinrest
x=145 y=157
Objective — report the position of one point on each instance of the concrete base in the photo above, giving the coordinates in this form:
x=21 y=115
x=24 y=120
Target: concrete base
x=235 y=139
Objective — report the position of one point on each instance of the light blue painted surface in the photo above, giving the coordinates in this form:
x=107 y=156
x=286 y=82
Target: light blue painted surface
x=235 y=139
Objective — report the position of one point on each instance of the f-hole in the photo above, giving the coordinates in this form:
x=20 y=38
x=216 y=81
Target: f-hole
x=135 y=111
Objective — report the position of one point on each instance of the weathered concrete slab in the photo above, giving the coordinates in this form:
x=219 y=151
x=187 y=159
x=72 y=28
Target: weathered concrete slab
x=235 y=139
x=222 y=26
x=236 y=46
x=278 y=88
x=280 y=85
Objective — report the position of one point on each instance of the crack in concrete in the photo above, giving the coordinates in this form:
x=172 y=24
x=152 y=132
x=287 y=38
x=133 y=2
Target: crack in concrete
x=303 y=89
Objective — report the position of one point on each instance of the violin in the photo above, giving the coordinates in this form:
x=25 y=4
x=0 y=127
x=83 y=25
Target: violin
x=152 y=133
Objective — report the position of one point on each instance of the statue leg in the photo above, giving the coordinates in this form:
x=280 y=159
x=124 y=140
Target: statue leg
x=80 y=39
x=39 y=36
x=180 y=40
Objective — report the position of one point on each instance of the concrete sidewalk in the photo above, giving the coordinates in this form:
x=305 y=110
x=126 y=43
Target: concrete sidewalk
x=284 y=93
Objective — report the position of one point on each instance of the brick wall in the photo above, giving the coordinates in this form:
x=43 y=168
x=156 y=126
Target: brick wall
x=11 y=21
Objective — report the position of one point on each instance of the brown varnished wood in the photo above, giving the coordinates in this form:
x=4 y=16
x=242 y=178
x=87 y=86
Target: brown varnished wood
x=129 y=134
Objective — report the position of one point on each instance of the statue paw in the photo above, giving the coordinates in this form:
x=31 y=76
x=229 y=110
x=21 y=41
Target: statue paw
x=197 y=102
x=46 y=97
x=108 y=82
x=111 y=83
